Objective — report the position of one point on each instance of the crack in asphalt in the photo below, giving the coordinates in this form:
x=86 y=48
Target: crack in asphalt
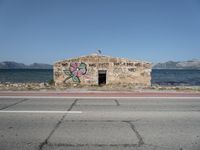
x=56 y=126
x=157 y=146
x=72 y=105
x=117 y=102
x=101 y=120
x=141 y=142
x=21 y=101
x=92 y=145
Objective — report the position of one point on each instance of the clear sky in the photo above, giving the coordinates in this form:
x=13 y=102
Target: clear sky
x=45 y=31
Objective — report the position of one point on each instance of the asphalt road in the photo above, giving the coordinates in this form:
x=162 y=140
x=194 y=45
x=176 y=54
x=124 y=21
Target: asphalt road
x=102 y=124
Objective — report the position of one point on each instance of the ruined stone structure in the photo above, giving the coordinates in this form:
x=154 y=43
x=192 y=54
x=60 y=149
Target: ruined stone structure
x=98 y=69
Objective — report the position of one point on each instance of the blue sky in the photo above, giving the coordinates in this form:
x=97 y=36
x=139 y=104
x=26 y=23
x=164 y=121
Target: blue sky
x=49 y=30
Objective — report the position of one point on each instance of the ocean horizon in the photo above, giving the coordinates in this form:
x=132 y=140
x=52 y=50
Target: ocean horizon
x=176 y=77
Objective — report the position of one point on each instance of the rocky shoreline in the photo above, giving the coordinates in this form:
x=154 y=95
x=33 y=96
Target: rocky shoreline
x=25 y=86
x=49 y=86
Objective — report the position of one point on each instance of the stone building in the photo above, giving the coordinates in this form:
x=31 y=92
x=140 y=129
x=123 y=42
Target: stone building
x=99 y=69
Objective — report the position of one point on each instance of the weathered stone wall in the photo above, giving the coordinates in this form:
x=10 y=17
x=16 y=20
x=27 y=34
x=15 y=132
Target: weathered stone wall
x=84 y=70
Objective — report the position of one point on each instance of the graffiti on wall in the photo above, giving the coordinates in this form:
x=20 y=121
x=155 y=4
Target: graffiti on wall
x=75 y=71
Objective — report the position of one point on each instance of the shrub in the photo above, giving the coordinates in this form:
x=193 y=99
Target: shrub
x=51 y=82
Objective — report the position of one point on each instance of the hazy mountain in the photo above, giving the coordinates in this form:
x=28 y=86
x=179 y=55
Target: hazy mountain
x=15 y=65
x=190 y=64
x=40 y=66
x=11 y=65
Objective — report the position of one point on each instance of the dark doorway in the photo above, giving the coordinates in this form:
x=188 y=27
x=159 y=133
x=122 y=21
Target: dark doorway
x=102 y=77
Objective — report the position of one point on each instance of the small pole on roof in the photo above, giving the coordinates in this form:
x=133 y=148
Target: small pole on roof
x=99 y=52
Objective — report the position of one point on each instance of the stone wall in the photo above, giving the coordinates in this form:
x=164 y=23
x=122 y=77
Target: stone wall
x=84 y=70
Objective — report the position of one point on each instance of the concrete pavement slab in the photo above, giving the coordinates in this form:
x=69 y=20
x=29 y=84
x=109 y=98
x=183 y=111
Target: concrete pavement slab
x=146 y=104
x=162 y=104
x=154 y=101
x=163 y=124
x=6 y=102
x=93 y=133
x=132 y=115
x=25 y=131
x=96 y=108
x=98 y=147
x=171 y=132
x=96 y=102
x=43 y=104
x=95 y=105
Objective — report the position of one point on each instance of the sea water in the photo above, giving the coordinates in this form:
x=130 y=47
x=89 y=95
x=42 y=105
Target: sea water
x=159 y=77
x=175 y=77
x=25 y=75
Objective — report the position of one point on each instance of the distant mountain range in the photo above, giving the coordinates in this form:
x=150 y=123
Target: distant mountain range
x=190 y=64
x=15 y=65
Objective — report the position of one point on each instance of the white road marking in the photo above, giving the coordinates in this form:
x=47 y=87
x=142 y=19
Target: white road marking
x=46 y=97
x=36 y=111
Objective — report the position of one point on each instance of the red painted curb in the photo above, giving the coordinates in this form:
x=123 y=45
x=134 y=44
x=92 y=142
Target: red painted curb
x=102 y=94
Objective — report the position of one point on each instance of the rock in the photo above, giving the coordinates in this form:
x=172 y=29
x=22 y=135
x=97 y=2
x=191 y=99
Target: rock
x=15 y=85
x=42 y=85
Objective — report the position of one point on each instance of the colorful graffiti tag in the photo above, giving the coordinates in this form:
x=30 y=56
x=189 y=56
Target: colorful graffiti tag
x=75 y=71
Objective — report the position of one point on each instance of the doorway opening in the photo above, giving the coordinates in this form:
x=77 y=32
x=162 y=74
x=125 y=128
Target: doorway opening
x=102 y=77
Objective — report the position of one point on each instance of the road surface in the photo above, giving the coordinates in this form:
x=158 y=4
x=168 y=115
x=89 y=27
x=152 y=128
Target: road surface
x=138 y=123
